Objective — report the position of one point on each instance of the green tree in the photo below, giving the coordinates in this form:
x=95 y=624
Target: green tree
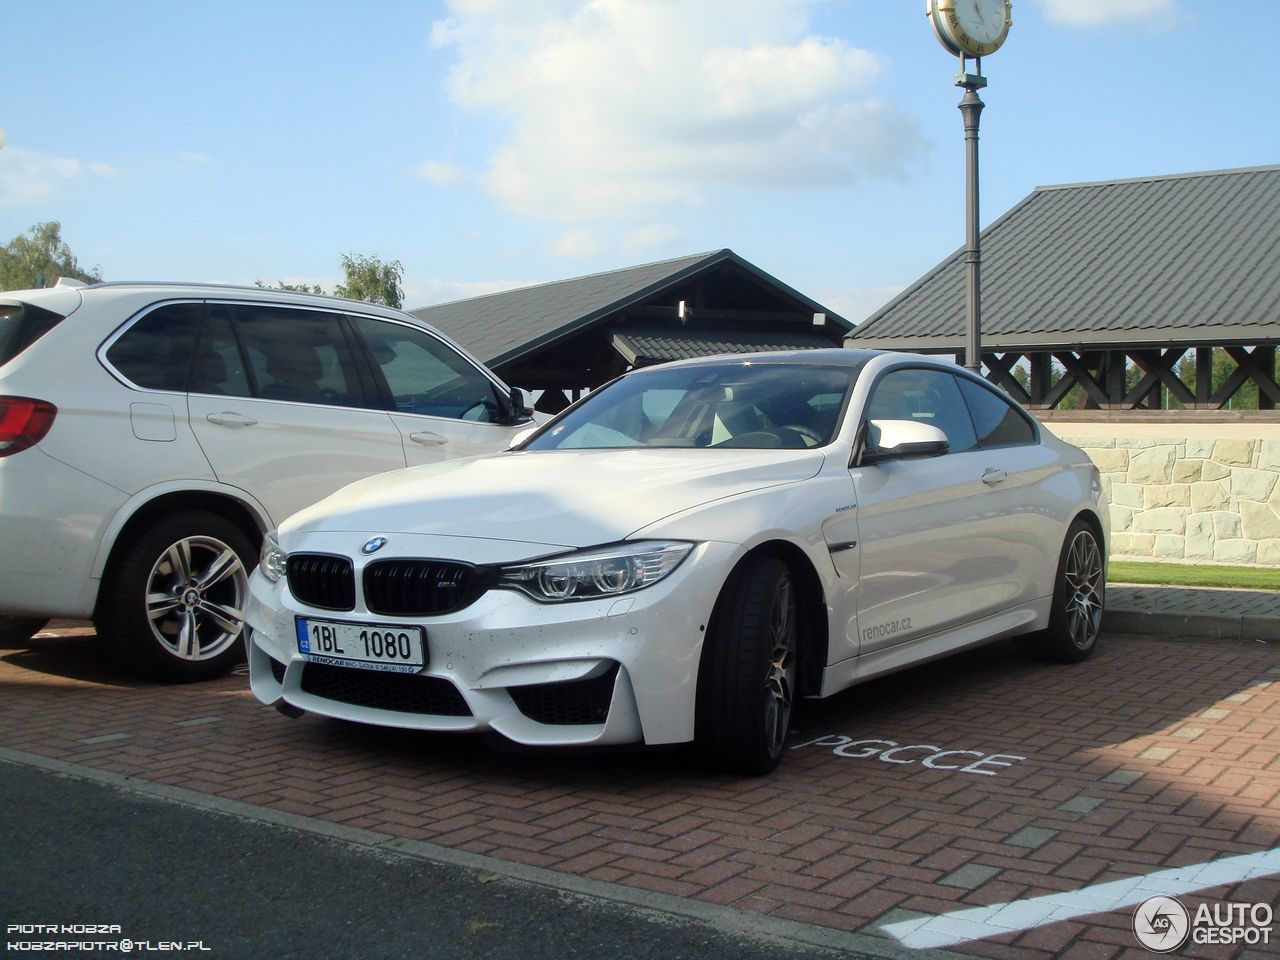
x=38 y=258
x=371 y=280
x=367 y=279
x=292 y=287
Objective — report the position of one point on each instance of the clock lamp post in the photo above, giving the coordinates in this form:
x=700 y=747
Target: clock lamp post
x=970 y=30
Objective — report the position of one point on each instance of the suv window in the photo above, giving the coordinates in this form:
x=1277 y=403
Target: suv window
x=998 y=421
x=426 y=376
x=155 y=352
x=21 y=325
x=219 y=368
x=297 y=355
x=930 y=396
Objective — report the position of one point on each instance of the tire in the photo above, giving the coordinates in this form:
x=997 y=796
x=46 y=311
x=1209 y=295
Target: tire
x=18 y=630
x=173 y=601
x=747 y=679
x=1079 y=596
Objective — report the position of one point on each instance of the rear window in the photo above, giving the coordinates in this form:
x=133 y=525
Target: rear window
x=21 y=325
x=156 y=351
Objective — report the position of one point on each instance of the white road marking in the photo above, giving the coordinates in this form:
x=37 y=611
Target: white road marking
x=977 y=923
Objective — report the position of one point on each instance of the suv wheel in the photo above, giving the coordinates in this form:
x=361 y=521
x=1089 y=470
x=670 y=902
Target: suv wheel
x=173 y=606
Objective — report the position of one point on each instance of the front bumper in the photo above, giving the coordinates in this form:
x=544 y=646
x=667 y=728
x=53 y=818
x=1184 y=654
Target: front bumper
x=609 y=671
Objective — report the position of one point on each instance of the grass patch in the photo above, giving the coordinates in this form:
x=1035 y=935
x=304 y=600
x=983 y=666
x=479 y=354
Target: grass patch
x=1190 y=575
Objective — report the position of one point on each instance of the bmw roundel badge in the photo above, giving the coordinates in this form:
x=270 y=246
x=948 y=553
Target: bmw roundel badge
x=374 y=545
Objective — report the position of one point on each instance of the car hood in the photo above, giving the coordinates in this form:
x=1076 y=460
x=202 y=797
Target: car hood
x=564 y=498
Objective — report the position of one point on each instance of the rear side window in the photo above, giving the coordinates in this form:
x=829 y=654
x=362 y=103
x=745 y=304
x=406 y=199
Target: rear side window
x=301 y=356
x=155 y=353
x=21 y=325
x=999 y=423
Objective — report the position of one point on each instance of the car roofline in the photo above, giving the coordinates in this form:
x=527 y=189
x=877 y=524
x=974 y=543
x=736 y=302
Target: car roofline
x=230 y=288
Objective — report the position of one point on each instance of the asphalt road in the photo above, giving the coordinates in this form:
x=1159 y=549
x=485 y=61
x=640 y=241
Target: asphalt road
x=79 y=852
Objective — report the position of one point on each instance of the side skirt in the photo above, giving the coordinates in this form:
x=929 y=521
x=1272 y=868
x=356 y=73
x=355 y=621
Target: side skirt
x=1010 y=623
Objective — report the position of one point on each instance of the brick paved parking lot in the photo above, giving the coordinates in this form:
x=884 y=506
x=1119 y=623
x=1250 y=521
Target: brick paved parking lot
x=979 y=781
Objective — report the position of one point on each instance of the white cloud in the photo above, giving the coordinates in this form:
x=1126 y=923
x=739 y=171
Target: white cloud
x=1098 y=13
x=577 y=242
x=628 y=109
x=29 y=177
x=441 y=174
x=422 y=293
x=650 y=237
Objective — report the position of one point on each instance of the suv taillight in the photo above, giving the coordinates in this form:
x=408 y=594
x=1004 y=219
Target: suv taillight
x=23 y=423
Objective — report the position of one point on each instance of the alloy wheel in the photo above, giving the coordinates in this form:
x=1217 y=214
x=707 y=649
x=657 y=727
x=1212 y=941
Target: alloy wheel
x=196 y=595
x=779 y=686
x=1084 y=583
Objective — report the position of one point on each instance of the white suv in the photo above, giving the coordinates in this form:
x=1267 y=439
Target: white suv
x=150 y=434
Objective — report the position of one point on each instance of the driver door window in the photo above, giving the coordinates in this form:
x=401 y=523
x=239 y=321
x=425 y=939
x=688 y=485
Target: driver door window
x=925 y=396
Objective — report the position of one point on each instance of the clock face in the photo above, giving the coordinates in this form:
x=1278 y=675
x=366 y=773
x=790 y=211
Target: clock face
x=971 y=28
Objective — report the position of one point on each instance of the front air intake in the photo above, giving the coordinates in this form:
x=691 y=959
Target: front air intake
x=322 y=580
x=416 y=588
x=396 y=692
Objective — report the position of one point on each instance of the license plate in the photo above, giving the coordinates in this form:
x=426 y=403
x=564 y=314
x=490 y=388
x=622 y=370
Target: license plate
x=369 y=646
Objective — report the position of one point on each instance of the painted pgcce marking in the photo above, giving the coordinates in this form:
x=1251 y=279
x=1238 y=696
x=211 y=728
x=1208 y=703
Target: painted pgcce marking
x=977 y=762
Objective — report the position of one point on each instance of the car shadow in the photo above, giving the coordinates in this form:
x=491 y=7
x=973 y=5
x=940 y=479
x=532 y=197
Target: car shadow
x=71 y=650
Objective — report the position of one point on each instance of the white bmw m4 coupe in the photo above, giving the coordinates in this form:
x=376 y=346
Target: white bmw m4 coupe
x=684 y=552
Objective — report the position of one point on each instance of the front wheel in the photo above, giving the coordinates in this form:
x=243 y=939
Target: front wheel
x=746 y=684
x=1079 y=596
x=173 y=605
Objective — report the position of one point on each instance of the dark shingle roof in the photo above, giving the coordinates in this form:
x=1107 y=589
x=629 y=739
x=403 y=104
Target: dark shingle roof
x=1175 y=258
x=501 y=327
x=657 y=345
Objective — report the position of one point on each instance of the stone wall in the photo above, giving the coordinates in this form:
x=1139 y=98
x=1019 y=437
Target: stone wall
x=1194 y=498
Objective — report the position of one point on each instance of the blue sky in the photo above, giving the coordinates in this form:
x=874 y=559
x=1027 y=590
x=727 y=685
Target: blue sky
x=494 y=143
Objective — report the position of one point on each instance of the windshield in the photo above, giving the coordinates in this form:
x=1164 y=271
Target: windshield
x=741 y=404
x=21 y=325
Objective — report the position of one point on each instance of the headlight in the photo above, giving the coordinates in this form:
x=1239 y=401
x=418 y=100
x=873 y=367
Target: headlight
x=272 y=559
x=598 y=572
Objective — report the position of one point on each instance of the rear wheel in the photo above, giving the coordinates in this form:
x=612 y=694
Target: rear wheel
x=746 y=684
x=173 y=605
x=20 y=629
x=1079 y=596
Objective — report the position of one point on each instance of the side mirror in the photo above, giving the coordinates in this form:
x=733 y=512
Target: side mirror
x=902 y=440
x=520 y=403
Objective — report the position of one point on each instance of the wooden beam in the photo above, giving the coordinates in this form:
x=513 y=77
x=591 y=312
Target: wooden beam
x=1158 y=367
x=716 y=313
x=1204 y=378
x=1000 y=372
x=1041 y=379
x=1079 y=374
x=1249 y=366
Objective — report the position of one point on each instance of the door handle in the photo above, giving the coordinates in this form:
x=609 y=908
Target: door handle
x=228 y=419
x=991 y=477
x=428 y=439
